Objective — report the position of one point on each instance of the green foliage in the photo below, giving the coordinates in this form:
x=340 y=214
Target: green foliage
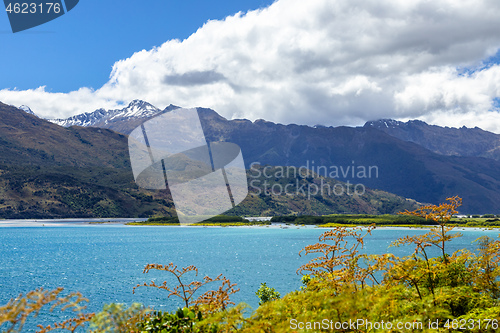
x=225 y=219
x=353 y=219
x=232 y=224
x=182 y=321
x=215 y=220
x=267 y=294
x=305 y=281
x=163 y=219
x=228 y=320
x=284 y=219
x=117 y=318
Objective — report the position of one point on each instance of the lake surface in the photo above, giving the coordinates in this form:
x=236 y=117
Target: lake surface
x=104 y=262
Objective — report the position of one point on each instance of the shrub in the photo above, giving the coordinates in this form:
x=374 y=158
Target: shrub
x=117 y=318
x=267 y=294
x=15 y=313
x=209 y=302
x=183 y=320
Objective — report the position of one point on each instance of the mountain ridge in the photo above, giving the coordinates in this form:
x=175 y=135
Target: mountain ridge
x=406 y=168
x=450 y=141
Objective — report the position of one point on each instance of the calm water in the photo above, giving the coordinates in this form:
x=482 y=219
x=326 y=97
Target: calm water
x=105 y=262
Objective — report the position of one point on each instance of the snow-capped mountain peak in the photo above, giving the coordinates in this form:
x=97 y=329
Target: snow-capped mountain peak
x=137 y=109
x=26 y=109
x=385 y=123
x=99 y=118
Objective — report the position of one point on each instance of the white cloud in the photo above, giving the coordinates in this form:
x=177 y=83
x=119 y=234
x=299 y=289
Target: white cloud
x=338 y=62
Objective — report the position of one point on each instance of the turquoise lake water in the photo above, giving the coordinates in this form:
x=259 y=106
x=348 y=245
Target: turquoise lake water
x=104 y=262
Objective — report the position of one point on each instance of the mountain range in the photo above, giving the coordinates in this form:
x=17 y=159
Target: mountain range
x=50 y=171
x=471 y=142
x=413 y=160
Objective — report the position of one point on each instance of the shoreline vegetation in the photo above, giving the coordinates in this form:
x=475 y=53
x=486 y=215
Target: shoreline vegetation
x=359 y=220
x=332 y=221
x=216 y=221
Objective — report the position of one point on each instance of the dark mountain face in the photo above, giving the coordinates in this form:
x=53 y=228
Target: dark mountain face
x=462 y=141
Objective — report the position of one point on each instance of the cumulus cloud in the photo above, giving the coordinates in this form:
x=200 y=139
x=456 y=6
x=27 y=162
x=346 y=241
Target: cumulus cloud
x=339 y=62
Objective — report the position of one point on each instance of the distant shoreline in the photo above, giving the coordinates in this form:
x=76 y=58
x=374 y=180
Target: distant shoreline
x=78 y=222
x=67 y=222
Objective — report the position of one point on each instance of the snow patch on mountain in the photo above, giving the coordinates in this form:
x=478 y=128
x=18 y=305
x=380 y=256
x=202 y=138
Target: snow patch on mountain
x=27 y=109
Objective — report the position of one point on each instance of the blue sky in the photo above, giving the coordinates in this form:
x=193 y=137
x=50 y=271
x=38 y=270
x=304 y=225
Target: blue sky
x=329 y=62
x=79 y=48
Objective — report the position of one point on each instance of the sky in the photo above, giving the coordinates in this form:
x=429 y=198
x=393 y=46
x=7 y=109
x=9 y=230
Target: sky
x=328 y=62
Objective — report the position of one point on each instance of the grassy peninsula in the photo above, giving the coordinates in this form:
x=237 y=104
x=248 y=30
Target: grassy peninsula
x=216 y=221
